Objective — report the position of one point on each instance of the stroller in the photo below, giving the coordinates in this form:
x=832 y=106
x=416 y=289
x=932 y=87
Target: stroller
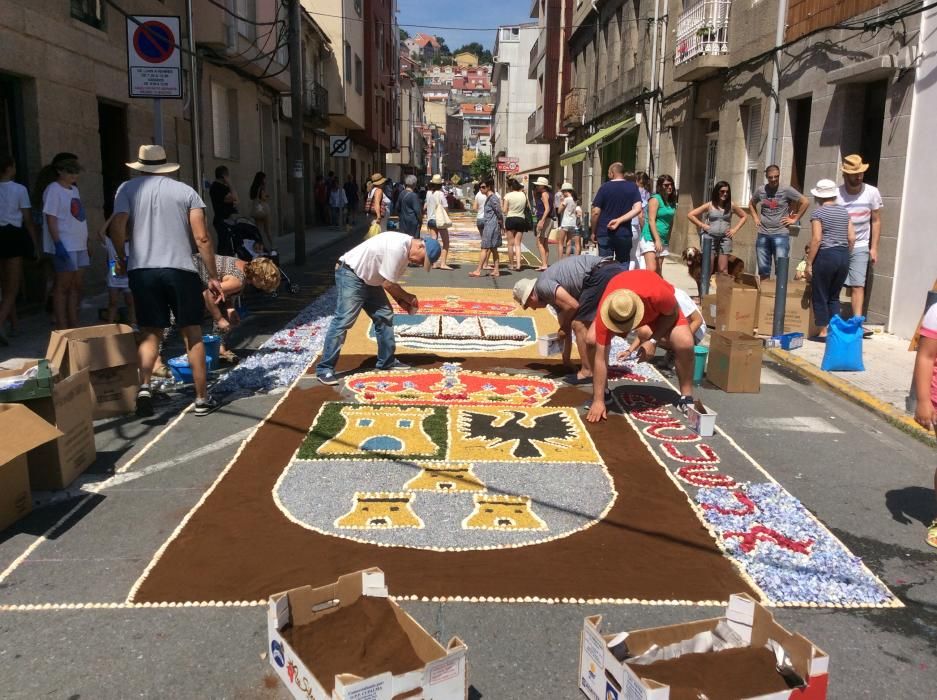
x=247 y=244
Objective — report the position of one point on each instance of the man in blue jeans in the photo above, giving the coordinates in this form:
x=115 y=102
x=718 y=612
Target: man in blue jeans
x=364 y=276
x=616 y=203
x=773 y=208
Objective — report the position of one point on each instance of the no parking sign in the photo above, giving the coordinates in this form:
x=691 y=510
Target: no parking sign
x=154 y=61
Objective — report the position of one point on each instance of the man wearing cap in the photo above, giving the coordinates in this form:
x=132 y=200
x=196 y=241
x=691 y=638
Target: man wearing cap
x=774 y=207
x=616 y=203
x=165 y=215
x=363 y=277
x=634 y=299
x=572 y=286
x=864 y=204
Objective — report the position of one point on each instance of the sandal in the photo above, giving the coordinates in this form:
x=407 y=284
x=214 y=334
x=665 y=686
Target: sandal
x=931 y=537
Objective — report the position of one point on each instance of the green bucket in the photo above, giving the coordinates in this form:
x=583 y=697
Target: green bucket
x=699 y=363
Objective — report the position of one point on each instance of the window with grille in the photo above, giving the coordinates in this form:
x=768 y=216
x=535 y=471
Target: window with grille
x=712 y=148
x=751 y=126
x=348 y=66
x=359 y=75
x=90 y=12
x=224 y=122
x=247 y=26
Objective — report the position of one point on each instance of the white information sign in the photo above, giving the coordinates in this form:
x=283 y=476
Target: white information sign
x=154 y=61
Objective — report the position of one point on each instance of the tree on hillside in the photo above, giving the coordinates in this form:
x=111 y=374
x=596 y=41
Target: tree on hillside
x=482 y=166
x=443 y=49
x=404 y=35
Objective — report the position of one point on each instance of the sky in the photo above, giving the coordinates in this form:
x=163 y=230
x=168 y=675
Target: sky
x=464 y=13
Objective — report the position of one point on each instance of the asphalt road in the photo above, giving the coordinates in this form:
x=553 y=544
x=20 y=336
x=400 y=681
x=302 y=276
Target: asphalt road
x=869 y=483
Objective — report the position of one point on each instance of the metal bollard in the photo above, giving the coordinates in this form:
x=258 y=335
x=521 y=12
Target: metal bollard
x=707 y=268
x=780 y=294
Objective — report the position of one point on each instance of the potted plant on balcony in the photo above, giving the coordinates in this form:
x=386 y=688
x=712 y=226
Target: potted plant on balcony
x=706 y=33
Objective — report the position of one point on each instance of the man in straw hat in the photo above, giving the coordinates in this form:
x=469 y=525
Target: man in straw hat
x=634 y=299
x=573 y=286
x=364 y=276
x=165 y=216
x=864 y=204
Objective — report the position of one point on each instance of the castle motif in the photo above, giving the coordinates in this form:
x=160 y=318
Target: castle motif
x=498 y=512
x=381 y=430
x=381 y=511
x=445 y=478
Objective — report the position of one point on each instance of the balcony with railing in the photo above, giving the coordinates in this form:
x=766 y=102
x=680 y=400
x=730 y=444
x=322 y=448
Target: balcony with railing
x=574 y=107
x=535 y=125
x=316 y=103
x=537 y=52
x=702 y=40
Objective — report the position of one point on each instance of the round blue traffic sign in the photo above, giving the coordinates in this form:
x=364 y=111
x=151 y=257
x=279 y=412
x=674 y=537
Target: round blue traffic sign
x=154 y=42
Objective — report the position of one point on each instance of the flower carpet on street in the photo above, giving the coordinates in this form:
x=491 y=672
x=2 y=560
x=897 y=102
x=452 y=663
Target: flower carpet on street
x=472 y=475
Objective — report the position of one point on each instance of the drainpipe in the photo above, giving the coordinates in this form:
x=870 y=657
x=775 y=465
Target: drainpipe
x=775 y=115
x=595 y=107
x=651 y=121
x=660 y=81
x=195 y=104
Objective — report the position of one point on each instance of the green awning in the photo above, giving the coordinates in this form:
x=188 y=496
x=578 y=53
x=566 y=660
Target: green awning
x=578 y=153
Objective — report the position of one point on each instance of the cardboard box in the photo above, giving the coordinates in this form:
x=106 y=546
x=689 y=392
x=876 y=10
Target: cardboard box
x=798 y=309
x=109 y=352
x=702 y=420
x=22 y=431
x=709 y=306
x=442 y=676
x=735 y=362
x=736 y=304
x=602 y=676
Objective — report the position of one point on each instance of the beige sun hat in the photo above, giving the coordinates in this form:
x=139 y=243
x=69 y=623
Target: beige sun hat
x=522 y=291
x=377 y=179
x=825 y=189
x=566 y=186
x=541 y=181
x=152 y=159
x=436 y=179
x=853 y=165
x=621 y=311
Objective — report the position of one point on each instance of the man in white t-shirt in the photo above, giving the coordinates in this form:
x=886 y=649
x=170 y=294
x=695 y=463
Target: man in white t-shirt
x=364 y=276
x=864 y=204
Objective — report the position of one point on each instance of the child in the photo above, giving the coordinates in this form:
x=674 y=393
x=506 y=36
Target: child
x=925 y=383
x=802 y=265
x=116 y=284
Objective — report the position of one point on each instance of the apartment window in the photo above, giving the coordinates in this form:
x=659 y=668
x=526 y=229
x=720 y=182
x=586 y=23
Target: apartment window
x=90 y=12
x=348 y=66
x=712 y=149
x=510 y=33
x=359 y=75
x=224 y=122
x=873 y=124
x=799 y=112
x=248 y=10
x=751 y=126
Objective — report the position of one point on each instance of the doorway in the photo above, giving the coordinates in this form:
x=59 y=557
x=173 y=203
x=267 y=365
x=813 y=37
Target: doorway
x=12 y=136
x=799 y=111
x=112 y=131
x=873 y=124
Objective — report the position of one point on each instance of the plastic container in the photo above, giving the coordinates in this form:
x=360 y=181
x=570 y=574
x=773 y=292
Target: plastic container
x=38 y=386
x=212 y=349
x=549 y=344
x=792 y=341
x=179 y=367
x=699 y=363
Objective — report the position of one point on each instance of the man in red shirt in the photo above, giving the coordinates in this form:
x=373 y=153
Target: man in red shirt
x=633 y=299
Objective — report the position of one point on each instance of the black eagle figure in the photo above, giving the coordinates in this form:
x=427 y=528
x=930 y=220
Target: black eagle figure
x=544 y=428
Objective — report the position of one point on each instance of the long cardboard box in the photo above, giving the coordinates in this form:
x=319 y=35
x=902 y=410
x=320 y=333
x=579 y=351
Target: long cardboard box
x=442 y=676
x=109 y=352
x=798 y=308
x=602 y=676
x=734 y=363
x=22 y=431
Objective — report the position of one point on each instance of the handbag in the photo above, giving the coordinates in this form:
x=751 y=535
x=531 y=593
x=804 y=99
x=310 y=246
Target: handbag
x=442 y=217
x=528 y=218
x=373 y=229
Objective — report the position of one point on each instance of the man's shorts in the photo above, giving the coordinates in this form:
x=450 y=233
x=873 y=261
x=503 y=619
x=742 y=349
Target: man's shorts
x=722 y=245
x=76 y=260
x=160 y=290
x=858 y=267
x=594 y=286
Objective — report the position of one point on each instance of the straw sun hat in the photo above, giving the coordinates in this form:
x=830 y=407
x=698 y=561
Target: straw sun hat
x=541 y=181
x=853 y=165
x=152 y=159
x=377 y=179
x=621 y=311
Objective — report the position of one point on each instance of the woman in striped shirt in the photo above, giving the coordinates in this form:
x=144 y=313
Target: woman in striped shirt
x=828 y=257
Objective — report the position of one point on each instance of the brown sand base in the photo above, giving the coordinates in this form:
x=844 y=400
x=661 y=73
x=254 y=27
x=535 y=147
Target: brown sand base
x=734 y=673
x=240 y=546
x=363 y=639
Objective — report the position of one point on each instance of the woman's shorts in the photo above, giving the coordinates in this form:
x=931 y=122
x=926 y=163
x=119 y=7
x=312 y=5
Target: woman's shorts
x=15 y=242
x=648 y=247
x=76 y=260
x=722 y=245
x=515 y=223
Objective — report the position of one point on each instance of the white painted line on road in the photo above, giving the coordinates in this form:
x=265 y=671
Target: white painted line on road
x=123 y=478
x=796 y=424
x=159 y=436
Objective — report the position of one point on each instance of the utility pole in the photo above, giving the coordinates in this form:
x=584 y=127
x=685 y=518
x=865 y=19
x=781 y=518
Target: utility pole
x=296 y=143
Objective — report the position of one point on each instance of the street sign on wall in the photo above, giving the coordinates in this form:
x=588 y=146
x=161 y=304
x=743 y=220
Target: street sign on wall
x=154 y=61
x=508 y=167
x=339 y=146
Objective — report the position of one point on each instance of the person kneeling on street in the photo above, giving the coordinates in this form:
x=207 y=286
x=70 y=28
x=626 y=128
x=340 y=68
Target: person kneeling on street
x=235 y=275
x=635 y=299
x=644 y=334
x=364 y=276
